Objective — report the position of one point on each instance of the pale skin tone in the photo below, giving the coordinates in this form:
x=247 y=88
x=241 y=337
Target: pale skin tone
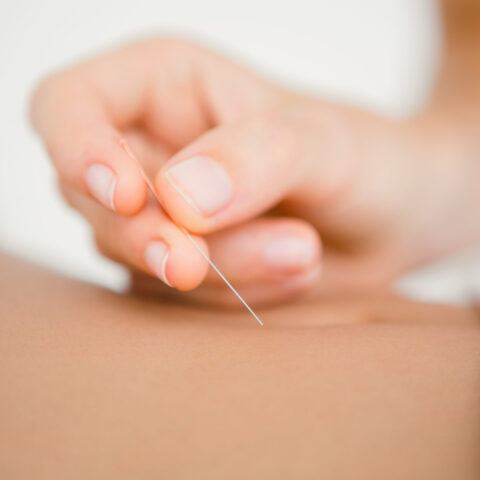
x=305 y=196
x=104 y=386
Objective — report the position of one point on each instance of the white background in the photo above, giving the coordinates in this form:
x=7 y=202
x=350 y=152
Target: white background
x=378 y=53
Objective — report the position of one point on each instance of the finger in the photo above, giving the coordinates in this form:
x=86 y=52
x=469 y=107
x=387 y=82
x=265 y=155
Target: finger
x=152 y=152
x=232 y=173
x=84 y=142
x=267 y=260
x=269 y=250
x=172 y=88
x=148 y=241
x=81 y=114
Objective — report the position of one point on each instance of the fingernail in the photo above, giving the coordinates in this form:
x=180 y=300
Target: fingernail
x=288 y=253
x=101 y=182
x=203 y=183
x=156 y=257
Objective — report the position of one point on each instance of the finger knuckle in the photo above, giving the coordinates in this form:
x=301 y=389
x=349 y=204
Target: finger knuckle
x=175 y=45
x=41 y=92
x=101 y=245
x=66 y=192
x=271 y=130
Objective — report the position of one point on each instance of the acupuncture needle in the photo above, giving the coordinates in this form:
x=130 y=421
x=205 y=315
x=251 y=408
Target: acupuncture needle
x=150 y=186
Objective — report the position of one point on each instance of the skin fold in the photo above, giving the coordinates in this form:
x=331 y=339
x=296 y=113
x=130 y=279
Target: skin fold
x=100 y=385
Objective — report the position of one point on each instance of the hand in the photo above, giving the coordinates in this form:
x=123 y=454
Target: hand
x=257 y=172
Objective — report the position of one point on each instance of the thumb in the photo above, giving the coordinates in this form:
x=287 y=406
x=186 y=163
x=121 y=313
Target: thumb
x=231 y=173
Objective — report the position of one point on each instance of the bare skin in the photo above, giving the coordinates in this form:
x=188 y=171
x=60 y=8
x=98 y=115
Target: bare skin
x=98 y=385
x=361 y=196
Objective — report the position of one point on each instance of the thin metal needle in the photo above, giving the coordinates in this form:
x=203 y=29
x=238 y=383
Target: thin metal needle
x=125 y=146
x=221 y=275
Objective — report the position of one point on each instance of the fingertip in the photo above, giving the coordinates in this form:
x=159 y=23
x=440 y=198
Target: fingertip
x=289 y=247
x=120 y=191
x=197 y=191
x=178 y=206
x=186 y=267
x=129 y=194
x=110 y=176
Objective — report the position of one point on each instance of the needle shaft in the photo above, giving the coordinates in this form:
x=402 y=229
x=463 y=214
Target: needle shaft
x=221 y=275
x=125 y=146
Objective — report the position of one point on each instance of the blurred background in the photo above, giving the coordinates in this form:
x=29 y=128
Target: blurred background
x=380 y=54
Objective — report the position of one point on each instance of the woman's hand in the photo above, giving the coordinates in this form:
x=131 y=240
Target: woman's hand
x=260 y=174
